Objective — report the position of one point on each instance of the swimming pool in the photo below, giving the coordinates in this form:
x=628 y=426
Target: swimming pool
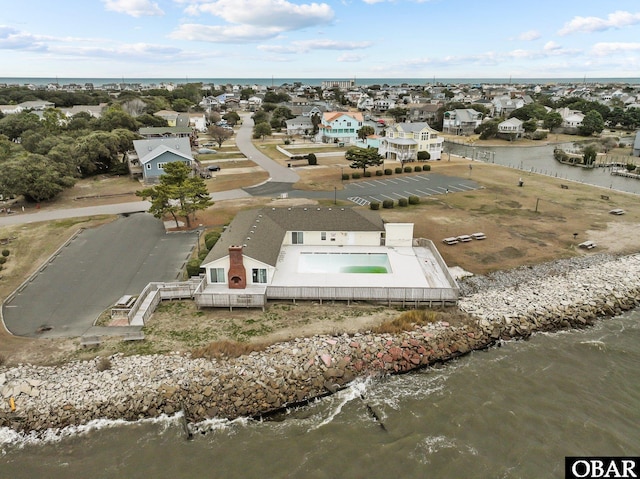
x=331 y=263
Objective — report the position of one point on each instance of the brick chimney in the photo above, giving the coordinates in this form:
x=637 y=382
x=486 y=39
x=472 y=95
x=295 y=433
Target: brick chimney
x=237 y=274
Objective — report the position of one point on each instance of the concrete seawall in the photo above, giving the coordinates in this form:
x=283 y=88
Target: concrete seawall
x=560 y=296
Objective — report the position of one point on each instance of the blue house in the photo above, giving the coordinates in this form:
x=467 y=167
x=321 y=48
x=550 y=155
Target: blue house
x=154 y=153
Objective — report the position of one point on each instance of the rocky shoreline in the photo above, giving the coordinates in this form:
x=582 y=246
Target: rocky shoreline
x=507 y=305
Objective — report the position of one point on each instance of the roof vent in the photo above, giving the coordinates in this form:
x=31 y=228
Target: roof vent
x=318 y=209
x=305 y=209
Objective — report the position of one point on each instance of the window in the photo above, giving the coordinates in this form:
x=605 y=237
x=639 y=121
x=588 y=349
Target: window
x=424 y=136
x=217 y=275
x=259 y=275
x=297 y=237
x=161 y=165
x=148 y=166
x=323 y=236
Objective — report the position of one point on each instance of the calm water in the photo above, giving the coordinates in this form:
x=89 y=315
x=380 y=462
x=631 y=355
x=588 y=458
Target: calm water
x=509 y=412
x=539 y=159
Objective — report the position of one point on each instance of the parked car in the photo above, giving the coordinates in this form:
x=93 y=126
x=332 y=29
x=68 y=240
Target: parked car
x=206 y=151
x=213 y=167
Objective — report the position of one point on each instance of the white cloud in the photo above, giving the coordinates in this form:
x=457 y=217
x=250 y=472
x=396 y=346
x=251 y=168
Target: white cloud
x=12 y=39
x=135 y=8
x=529 y=36
x=306 y=46
x=280 y=14
x=224 y=33
x=615 y=20
x=612 y=48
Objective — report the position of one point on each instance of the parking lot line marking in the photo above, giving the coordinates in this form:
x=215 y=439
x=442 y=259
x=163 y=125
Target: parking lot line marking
x=413 y=178
x=368 y=183
x=390 y=197
x=391 y=181
x=358 y=185
x=358 y=200
x=375 y=199
x=403 y=180
x=466 y=187
x=381 y=182
x=424 y=192
x=435 y=191
x=398 y=195
x=408 y=192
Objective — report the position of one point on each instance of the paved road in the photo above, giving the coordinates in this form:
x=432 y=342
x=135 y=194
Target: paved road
x=277 y=172
x=98 y=267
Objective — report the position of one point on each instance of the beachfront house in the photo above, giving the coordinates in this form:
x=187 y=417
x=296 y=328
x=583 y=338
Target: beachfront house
x=339 y=127
x=321 y=254
x=461 y=121
x=152 y=154
x=403 y=141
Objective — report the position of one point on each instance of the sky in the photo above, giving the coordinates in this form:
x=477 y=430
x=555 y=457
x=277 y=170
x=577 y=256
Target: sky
x=346 y=39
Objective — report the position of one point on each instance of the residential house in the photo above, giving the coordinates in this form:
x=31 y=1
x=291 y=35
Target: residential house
x=198 y=121
x=321 y=254
x=170 y=116
x=94 y=110
x=636 y=145
x=340 y=127
x=166 y=132
x=571 y=118
x=423 y=112
x=403 y=141
x=505 y=106
x=300 y=125
x=152 y=154
x=511 y=127
x=461 y=121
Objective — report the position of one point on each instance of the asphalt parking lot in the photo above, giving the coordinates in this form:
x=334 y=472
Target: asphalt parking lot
x=381 y=188
x=90 y=274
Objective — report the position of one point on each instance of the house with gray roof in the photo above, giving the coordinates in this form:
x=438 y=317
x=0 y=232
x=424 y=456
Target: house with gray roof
x=403 y=141
x=152 y=154
x=321 y=254
x=461 y=121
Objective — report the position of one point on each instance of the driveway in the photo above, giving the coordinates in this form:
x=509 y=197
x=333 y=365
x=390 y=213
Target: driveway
x=97 y=268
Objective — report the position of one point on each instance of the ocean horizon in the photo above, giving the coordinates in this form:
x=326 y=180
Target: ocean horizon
x=274 y=81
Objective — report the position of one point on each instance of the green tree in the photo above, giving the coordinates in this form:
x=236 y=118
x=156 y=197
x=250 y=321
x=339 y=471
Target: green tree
x=35 y=177
x=552 y=120
x=365 y=131
x=260 y=130
x=181 y=105
x=363 y=158
x=530 y=125
x=260 y=116
x=398 y=113
x=232 y=118
x=488 y=129
x=179 y=193
x=12 y=126
x=589 y=154
x=591 y=123
x=219 y=134
x=246 y=93
x=115 y=117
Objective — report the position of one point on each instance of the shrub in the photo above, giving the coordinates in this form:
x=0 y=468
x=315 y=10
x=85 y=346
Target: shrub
x=407 y=321
x=287 y=142
x=408 y=169
x=414 y=200
x=367 y=174
x=5 y=252
x=1 y=267
x=345 y=176
x=417 y=168
x=3 y=360
x=398 y=170
x=211 y=238
x=403 y=202
x=423 y=156
x=426 y=168
x=193 y=267
x=387 y=204
x=355 y=176
x=3 y=260
x=388 y=171
x=374 y=205
x=379 y=173
x=203 y=254
x=312 y=159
